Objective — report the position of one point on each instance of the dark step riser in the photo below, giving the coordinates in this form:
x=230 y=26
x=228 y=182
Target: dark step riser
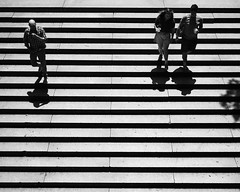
x=123 y=169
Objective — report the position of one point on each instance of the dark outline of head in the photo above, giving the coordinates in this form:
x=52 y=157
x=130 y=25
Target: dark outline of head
x=170 y=11
x=194 y=7
x=167 y=10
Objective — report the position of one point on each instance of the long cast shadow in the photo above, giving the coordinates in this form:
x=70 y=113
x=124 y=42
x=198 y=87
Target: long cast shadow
x=39 y=96
x=183 y=78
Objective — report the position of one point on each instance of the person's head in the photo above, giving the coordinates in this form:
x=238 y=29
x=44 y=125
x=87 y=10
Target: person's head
x=194 y=9
x=32 y=25
x=168 y=14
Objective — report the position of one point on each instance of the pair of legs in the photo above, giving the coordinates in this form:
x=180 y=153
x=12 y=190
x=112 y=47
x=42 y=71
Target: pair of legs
x=41 y=56
x=163 y=41
x=187 y=46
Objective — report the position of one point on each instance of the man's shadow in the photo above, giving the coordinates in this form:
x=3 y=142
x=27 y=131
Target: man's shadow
x=159 y=77
x=39 y=96
x=183 y=78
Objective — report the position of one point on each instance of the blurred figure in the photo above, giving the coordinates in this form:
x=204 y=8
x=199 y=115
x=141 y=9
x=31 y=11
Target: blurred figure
x=188 y=29
x=35 y=39
x=164 y=25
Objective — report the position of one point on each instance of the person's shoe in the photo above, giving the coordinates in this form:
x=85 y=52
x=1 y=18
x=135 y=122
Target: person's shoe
x=45 y=79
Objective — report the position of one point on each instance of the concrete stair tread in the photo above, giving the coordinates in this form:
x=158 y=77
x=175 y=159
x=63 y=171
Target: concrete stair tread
x=68 y=132
x=116 y=35
x=121 y=5
x=125 y=81
x=181 y=132
x=142 y=93
x=85 y=162
x=86 y=118
x=114 y=105
x=116 y=46
x=122 y=57
x=121 y=147
x=122 y=133
x=60 y=15
x=123 y=177
x=30 y=118
x=109 y=15
x=118 y=70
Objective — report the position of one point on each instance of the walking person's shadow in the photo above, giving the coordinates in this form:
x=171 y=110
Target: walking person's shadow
x=183 y=78
x=39 y=96
x=159 y=77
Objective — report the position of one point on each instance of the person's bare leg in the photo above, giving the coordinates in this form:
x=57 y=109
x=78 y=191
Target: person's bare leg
x=165 y=52
x=160 y=50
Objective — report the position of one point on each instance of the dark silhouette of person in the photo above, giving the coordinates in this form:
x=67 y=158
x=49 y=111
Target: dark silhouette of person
x=183 y=79
x=39 y=96
x=159 y=77
x=35 y=39
x=164 y=26
x=189 y=27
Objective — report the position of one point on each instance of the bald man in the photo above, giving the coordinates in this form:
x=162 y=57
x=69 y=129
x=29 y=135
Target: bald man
x=35 y=39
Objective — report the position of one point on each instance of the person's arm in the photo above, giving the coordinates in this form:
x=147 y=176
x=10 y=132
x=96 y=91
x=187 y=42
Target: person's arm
x=25 y=39
x=42 y=36
x=180 y=27
x=173 y=29
x=200 y=24
x=157 y=21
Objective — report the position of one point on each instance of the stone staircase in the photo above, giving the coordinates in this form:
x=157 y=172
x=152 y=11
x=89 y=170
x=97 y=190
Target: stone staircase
x=108 y=120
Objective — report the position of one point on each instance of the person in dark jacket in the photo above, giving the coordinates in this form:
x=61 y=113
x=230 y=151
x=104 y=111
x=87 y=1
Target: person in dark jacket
x=188 y=29
x=35 y=39
x=164 y=25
